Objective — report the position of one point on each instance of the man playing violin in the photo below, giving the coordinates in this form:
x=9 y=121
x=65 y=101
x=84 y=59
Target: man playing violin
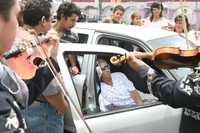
x=184 y=93
x=50 y=107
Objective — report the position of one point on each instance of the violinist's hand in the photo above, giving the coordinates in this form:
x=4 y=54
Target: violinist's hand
x=52 y=37
x=134 y=61
x=52 y=41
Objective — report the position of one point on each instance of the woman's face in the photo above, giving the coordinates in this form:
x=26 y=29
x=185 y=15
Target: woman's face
x=137 y=20
x=179 y=26
x=156 y=11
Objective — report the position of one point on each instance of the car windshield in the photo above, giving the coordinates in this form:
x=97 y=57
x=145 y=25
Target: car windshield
x=173 y=41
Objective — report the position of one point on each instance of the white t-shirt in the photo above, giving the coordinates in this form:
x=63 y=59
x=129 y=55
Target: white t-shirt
x=156 y=24
x=119 y=93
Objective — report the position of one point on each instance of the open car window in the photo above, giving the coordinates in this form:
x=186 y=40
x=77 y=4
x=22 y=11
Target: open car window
x=88 y=85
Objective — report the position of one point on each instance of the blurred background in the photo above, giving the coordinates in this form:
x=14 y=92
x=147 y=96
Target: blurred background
x=95 y=10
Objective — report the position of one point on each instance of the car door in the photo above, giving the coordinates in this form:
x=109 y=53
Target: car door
x=152 y=117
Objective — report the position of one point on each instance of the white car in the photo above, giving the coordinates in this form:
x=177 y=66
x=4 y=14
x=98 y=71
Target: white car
x=153 y=116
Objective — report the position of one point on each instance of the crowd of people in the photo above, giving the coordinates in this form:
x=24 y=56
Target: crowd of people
x=155 y=20
x=37 y=104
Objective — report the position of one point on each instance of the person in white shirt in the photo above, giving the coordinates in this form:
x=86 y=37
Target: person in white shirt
x=116 y=89
x=156 y=20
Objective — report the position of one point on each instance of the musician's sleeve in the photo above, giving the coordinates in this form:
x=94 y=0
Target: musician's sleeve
x=172 y=92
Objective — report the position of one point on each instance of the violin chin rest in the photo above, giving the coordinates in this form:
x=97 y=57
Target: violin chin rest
x=37 y=61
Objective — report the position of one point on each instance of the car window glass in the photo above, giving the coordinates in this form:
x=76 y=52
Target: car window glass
x=129 y=45
x=114 y=41
x=123 y=90
x=90 y=91
x=83 y=38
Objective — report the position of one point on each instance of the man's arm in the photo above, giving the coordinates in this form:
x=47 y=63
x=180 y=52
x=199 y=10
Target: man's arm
x=58 y=102
x=136 y=97
x=169 y=91
x=55 y=98
x=73 y=63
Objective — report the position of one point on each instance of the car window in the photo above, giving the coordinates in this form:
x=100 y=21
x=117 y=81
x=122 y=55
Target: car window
x=83 y=38
x=130 y=45
x=111 y=97
x=78 y=78
x=91 y=95
x=114 y=41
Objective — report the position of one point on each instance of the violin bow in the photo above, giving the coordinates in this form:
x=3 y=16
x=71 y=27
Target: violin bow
x=184 y=24
x=60 y=83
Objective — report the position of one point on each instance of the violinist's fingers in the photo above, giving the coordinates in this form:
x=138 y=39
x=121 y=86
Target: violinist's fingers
x=134 y=57
x=51 y=38
x=53 y=50
x=138 y=54
x=133 y=61
x=52 y=34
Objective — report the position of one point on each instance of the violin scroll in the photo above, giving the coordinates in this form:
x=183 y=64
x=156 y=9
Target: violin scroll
x=117 y=59
x=120 y=58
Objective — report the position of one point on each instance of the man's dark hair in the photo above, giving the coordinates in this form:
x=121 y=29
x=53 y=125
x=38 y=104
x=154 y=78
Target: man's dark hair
x=34 y=10
x=67 y=10
x=5 y=8
x=118 y=7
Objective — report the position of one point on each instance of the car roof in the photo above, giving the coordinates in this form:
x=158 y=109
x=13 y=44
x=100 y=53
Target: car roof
x=92 y=48
x=142 y=33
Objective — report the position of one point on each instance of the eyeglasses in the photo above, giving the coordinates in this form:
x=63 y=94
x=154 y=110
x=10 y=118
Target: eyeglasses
x=105 y=67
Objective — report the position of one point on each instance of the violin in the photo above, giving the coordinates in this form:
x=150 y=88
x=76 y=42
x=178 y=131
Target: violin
x=25 y=64
x=167 y=57
x=25 y=58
